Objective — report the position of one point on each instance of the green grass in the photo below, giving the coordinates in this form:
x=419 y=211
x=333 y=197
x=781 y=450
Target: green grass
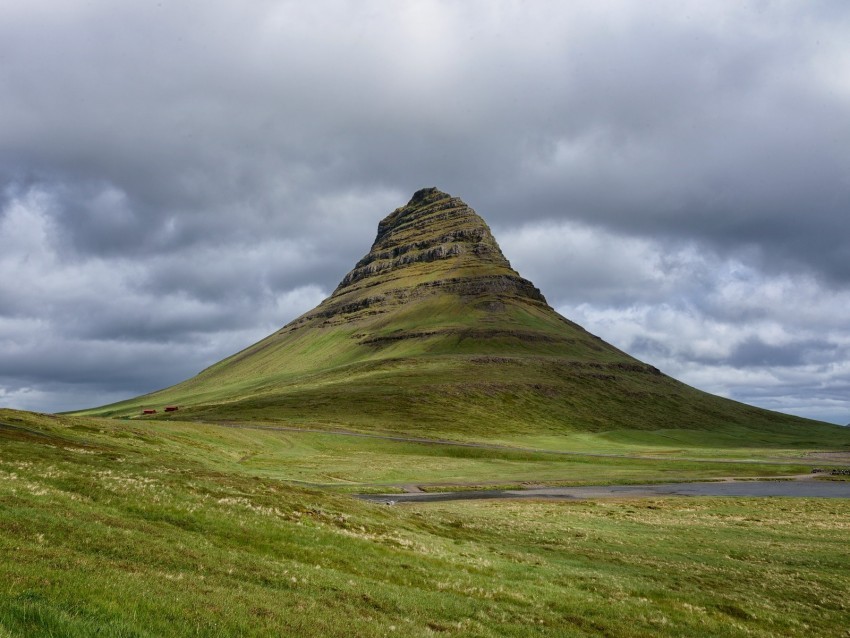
x=472 y=397
x=335 y=460
x=117 y=528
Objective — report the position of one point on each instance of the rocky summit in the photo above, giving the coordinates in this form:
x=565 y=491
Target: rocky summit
x=432 y=332
x=435 y=245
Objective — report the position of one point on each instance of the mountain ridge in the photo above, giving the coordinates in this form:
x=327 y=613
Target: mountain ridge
x=434 y=332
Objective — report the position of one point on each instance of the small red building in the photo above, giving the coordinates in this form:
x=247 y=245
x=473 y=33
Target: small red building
x=148 y=411
x=171 y=408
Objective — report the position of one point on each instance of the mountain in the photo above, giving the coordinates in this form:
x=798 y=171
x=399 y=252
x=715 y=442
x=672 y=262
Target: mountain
x=434 y=333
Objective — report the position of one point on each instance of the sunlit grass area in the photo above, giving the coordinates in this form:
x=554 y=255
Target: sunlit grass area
x=171 y=529
x=342 y=460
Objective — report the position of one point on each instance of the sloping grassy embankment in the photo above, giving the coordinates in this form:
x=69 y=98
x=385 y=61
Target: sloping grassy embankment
x=113 y=530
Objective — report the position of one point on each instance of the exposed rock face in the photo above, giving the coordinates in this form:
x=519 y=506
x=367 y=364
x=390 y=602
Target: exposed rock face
x=435 y=244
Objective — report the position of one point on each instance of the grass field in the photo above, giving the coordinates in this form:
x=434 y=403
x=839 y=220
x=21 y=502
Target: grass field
x=115 y=528
x=314 y=458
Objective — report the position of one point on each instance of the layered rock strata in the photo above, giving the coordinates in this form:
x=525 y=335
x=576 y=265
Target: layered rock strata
x=436 y=244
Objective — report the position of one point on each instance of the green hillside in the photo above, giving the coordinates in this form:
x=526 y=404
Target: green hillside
x=433 y=333
x=149 y=529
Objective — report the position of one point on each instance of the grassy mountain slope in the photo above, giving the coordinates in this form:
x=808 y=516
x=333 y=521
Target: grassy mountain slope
x=434 y=333
x=131 y=529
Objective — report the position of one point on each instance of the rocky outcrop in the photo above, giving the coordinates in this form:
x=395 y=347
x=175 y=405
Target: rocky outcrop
x=434 y=239
x=373 y=264
x=497 y=289
x=432 y=227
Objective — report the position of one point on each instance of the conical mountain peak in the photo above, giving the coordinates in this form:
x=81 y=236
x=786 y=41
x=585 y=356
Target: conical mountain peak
x=434 y=332
x=427 y=195
x=433 y=226
x=434 y=245
x=419 y=206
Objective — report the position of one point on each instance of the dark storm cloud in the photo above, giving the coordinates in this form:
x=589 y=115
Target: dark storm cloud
x=722 y=123
x=201 y=172
x=755 y=352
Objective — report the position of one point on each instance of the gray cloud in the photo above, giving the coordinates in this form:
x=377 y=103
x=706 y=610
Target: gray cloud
x=196 y=174
x=720 y=323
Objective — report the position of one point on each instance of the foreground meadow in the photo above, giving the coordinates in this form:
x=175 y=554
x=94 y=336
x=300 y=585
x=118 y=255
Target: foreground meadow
x=114 y=531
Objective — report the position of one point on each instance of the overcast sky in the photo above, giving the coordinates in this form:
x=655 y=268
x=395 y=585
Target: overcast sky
x=179 y=179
